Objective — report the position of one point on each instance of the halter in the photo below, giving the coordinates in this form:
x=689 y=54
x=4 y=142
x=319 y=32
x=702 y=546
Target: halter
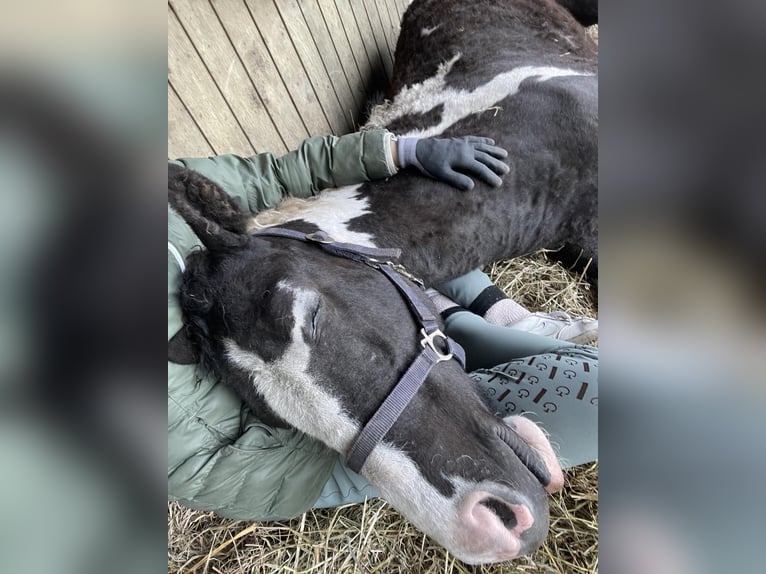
x=400 y=396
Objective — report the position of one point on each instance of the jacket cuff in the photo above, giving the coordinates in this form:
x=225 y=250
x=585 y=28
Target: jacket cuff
x=388 y=138
x=377 y=159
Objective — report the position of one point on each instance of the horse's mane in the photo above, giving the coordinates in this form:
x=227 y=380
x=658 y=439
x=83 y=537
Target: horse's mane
x=289 y=209
x=220 y=224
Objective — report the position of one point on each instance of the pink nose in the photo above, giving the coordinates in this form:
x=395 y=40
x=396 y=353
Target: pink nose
x=493 y=525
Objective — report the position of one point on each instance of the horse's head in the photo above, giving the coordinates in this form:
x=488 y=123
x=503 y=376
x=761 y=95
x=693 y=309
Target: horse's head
x=321 y=340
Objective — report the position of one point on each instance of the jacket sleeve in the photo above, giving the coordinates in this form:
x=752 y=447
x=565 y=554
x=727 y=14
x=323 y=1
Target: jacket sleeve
x=221 y=458
x=263 y=180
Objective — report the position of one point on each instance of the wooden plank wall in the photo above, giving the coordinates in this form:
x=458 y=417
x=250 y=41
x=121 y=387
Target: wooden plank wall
x=248 y=76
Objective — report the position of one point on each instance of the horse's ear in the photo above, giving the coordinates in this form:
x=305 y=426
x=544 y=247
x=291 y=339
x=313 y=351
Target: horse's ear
x=181 y=350
x=204 y=205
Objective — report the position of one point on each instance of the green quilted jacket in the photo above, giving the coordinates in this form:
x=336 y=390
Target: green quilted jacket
x=220 y=457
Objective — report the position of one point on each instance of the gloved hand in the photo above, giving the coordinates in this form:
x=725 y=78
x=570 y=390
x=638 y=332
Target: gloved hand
x=443 y=158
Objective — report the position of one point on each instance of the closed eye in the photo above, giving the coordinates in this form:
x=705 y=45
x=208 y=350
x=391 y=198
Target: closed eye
x=315 y=321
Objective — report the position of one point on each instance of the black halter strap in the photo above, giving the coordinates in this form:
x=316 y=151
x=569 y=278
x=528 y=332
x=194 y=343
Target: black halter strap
x=400 y=396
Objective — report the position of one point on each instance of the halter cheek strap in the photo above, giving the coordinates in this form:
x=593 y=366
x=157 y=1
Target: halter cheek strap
x=401 y=395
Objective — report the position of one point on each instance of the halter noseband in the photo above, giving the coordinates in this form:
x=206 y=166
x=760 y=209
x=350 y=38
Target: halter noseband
x=400 y=396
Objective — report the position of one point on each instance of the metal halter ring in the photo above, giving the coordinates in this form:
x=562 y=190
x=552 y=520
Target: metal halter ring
x=319 y=237
x=428 y=341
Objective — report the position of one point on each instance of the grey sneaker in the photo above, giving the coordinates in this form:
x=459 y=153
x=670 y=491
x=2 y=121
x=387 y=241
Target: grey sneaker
x=559 y=325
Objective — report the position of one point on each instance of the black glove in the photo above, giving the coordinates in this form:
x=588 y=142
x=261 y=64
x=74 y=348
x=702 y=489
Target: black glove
x=444 y=158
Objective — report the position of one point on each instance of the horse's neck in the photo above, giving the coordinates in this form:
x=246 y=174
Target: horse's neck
x=331 y=211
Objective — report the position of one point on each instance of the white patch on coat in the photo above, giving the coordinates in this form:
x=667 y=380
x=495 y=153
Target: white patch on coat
x=331 y=212
x=458 y=103
x=428 y=31
x=400 y=482
x=334 y=209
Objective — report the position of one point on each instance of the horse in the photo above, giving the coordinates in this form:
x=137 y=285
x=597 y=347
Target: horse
x=318 y=323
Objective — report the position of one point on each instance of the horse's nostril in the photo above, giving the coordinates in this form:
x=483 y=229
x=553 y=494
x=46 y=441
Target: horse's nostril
x=502 y=511
x=501 y=523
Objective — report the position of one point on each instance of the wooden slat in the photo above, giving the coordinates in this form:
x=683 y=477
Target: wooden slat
x=389 y=29
x=197 y=90
x=263 y=75
x=247 y=41
x=393 y=12
x=283 y=53
x=354 y=62
x=368 y=37
x=339 y=76
x=307 y=50
x=390 y=19
x=373 y=17
x=184 y=137
x=209 y=38
x=397 y=6
x=356 y=42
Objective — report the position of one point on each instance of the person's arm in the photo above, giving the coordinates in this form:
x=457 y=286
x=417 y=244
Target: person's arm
x=263 y=180
x=214 y=461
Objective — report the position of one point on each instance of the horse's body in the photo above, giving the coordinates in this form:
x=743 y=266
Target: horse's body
x=527 y=79
x=317 y=341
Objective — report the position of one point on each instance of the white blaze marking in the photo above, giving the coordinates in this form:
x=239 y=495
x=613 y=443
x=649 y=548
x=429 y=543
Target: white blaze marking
x=289 y=390
x=428 y=31
x=332 y=211
x=458 y=103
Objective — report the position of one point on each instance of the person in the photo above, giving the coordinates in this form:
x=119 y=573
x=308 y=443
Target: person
x=220 y=457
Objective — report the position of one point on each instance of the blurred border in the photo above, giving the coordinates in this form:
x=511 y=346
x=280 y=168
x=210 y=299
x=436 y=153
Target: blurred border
x=683 y=197
x=82 y=146
x=682 y=193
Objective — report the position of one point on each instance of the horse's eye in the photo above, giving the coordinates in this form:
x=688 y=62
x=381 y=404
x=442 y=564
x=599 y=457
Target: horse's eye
x=315 y=321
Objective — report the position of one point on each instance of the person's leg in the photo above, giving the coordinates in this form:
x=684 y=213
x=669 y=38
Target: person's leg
x=476 y=292
x=487 y=345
